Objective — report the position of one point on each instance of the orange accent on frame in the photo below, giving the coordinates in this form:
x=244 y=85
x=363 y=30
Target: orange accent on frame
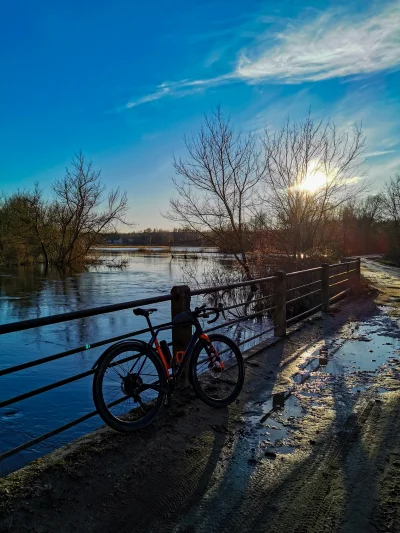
x=207 y=339
x=162 y=357
x=179 y=357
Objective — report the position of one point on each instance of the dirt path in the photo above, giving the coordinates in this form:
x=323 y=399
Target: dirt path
x=322 y=456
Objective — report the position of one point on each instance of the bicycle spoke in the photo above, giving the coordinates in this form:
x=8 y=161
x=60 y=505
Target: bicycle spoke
x=134 y=375
x=217 y=372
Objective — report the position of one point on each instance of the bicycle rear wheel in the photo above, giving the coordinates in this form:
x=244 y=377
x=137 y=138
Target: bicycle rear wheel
x=217 y=377
x=129 y=386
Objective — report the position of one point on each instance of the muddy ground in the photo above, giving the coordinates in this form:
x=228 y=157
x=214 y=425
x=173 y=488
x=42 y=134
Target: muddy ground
x=312 y=445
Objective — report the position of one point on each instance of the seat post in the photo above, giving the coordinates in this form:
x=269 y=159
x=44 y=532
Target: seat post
x=150 y=324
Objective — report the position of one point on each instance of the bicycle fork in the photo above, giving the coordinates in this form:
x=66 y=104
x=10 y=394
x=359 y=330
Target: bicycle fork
x=213 y=356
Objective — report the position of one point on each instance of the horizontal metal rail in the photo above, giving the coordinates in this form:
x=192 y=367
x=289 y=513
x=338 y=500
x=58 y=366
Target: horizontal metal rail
x=74 y=351
x=40 y=390
x=302 y=315
x=54 y=432
x=256 y=336
x=240 y=319
x=46 y=436
x=75 y=315
x=337 y=296
x=343 y=273
x=342 y=264
x=301 y=272
x=340 y=282
x=304 y=286
x=302 y=296
x=248 y=303
x=209 y=290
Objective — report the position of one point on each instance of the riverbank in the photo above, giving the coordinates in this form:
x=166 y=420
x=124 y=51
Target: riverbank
x=149 y=249
x=299 y=464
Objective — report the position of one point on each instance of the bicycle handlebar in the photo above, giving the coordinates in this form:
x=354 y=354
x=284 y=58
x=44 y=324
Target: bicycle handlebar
x=204 y=312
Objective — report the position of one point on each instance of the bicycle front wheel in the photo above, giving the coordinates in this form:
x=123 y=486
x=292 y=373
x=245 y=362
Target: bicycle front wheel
x=129 y=386
x=217 y=371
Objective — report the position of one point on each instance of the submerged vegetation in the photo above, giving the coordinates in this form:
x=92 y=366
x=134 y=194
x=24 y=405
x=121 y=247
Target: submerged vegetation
x=61 y=230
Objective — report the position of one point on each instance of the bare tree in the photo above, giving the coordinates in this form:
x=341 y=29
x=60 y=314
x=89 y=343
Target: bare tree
x=39 y=223
x=360 y=222
x=82 y=211
x=311 y=169
x=218 y=185
x=391 y=201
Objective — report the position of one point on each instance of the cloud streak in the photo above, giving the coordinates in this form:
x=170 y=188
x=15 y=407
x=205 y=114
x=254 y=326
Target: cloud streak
x=332 y=45
x=378 y=153
x=328 y=47
x=179 y=89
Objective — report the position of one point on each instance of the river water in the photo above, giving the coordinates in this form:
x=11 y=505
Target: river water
x=30 y=293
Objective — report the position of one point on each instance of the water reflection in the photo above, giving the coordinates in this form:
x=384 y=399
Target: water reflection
x=27 y=293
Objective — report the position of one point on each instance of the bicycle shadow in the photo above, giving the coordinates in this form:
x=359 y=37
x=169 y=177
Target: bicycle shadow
x=247 y=496
x=192 y=470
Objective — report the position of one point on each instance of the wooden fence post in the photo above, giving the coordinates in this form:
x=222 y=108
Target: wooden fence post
x=325 y=286
x=280 y=304
x=182 y=335
x=355 y=282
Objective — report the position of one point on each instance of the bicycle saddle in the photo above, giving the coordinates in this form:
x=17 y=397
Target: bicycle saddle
x=143 y=312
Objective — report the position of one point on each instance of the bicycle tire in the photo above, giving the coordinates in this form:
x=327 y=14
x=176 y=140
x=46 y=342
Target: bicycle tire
x=125 y=424
x=204 y=391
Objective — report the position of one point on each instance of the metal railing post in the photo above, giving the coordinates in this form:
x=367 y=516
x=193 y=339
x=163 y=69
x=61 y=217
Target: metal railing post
x=325 y=286
x=358 y=270
x=181 y=336
x=280 y=304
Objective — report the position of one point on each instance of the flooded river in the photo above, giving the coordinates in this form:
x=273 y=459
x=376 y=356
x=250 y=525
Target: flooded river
x=29 y=293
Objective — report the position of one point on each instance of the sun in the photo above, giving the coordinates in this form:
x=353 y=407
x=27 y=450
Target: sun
x=314 y=179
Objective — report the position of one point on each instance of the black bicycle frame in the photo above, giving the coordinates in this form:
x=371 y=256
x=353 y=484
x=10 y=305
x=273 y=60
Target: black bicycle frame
x=189 y=350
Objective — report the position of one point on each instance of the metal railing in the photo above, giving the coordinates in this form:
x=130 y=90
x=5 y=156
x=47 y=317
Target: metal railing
x=283 y=311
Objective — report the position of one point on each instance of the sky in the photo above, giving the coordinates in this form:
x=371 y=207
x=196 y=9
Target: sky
x=125 y=81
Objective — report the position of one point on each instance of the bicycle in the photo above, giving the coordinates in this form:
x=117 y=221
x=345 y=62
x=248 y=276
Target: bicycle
x=147 y=373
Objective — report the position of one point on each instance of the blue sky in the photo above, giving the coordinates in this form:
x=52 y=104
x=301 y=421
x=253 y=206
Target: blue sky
x=124 y=81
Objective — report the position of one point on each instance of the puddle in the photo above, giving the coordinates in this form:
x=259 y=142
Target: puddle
x=271 y=425
x=368 y=355
x=343 y=365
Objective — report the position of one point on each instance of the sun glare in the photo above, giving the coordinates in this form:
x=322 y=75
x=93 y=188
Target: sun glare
x=314 y=179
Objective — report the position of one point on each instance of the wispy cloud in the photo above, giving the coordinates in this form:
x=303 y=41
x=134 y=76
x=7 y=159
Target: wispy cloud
x=332 y=45
x=378 y=153
x=162 y=90
x=329 y=46
x=178 y=88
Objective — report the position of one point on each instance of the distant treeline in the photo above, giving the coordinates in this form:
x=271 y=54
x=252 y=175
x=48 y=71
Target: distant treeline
x=290 y=198
x=156 y=237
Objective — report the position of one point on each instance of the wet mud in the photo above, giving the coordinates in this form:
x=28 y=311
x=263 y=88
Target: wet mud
x=312 y=444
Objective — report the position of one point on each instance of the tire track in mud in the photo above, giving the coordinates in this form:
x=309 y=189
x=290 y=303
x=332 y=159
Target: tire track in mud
x=184 y=480
x=258 y=496
x=301 y=498
x=197 y=473
x=257 y=502
x=332 y=492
